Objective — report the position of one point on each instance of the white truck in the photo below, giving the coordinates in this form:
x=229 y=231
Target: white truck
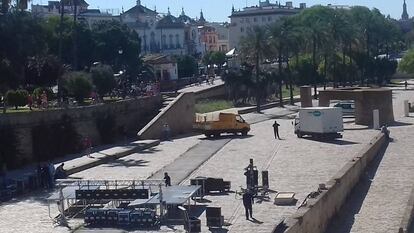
x=319 y=122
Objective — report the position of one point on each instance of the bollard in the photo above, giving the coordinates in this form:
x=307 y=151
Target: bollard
x=406 y=108
x=376 y=119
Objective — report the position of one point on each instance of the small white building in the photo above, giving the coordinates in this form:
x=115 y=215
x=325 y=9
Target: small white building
x=164 y=66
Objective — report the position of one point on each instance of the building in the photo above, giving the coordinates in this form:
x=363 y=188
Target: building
x=53 y=8
x=166 y=33
x=222 y=30
x=165 y=69
x=84 y=14
x=265 y=13
x=406 y=23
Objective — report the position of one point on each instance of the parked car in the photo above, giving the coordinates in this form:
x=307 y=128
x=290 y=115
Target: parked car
x=348 y=107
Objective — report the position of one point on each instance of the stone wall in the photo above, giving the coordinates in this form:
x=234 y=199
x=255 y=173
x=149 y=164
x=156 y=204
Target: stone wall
x=179 y=115
x=366 y=100
x=213 y=92
x=129 y=116
x=315 y=216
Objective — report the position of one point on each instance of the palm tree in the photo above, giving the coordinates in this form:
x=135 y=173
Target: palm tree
x=254 y=49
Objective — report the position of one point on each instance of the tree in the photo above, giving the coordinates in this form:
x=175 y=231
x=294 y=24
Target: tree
x=78 y=85
x=17 y=98
x=407 y=63
x=254 y=50
x=187 y=66
x=118 y=46
x=44 y=70
x=103 y=79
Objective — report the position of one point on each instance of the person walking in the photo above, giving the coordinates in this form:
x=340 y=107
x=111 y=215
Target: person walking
x=276 y=130
x=87 y=145
x=248 y=204
x=30 y=101
x=406 y=84
x=167 y=179
x=166 y=132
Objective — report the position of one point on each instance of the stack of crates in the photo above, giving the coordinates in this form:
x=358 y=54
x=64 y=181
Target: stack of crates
x=112 y=216
x=143 y=218
x=124 y=217
x=95 y=216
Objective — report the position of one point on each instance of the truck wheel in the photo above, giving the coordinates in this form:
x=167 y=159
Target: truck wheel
x=216 y=135
x=244 y=133
x=299 y=135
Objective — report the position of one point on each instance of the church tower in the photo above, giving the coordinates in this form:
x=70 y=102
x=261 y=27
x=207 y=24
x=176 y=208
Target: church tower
x=404 y=15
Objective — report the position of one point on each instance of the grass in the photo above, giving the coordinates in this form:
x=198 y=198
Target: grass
x=204 y=106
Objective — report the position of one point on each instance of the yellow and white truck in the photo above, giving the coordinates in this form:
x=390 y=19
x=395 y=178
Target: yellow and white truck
x=214 y=124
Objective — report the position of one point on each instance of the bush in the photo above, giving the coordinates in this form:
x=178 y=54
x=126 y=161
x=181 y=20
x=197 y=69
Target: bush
x=38 y=92
x=17 y=98
x=55 y=140
x=78 y=85
x=103 y=79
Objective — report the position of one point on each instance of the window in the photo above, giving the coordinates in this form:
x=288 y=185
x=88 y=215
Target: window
x=171 y=42
x=241 y=20
x=255 y=19
x=269 y=18
x=247 y=20
x=164 y=41
x=177 y=41
x=263 y=19
x=241 y=29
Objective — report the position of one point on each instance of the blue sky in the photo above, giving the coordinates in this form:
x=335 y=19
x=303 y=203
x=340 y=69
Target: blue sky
x=219 y=10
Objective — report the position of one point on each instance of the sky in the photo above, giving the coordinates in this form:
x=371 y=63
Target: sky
x=219 y=10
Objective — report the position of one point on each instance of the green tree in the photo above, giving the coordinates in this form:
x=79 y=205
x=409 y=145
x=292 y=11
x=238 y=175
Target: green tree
x=407 y=63
x=103 y=79
x=17 y=98
x=187 y=66
x=78 y=85
x=254 y=50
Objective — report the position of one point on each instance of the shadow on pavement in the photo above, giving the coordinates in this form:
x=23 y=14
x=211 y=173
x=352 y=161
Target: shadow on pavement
x=397 y=124
x=32 y=197
x=127 y=163
x=345 y=218
x=151 y=150
x=227 y=136
x=336 y=142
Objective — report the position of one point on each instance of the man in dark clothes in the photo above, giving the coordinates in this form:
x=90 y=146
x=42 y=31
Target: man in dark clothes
x=406 y=84
x=167 y=179
x=248 y=204
x=276 y=130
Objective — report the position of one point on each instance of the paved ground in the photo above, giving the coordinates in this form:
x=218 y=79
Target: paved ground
x=378 y=203
x=297 y=165
x=203 y=86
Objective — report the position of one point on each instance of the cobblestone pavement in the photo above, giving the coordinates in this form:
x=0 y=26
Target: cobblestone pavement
x=25 y=214
x=378 y=204
x=296 y=165
x=143 y=164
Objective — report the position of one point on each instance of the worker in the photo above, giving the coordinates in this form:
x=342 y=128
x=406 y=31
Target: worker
x=248 y=204
x=166 y=131
x=406 y=84
x=60 y=172
x=167 y=179
x=276 y=130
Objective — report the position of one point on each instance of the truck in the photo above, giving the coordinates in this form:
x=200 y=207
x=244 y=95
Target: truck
x=319 y=122
x=214 y=124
